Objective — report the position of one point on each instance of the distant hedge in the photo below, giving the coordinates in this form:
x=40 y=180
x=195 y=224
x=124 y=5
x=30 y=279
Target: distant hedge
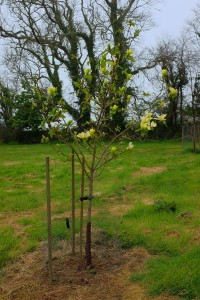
x=11 y=135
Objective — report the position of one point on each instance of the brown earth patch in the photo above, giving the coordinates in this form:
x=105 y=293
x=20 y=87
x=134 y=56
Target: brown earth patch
x=119 y=209
x=31 y=175
x=11 y=163
x=97 y=194
x=196 y=237
x=20 y=185
x=116 y=169
x=27 y=278
x=54 y=162
x=147 y=201
x=12 y=220
x=7 y=179
x=173 y=234
x=149 y=171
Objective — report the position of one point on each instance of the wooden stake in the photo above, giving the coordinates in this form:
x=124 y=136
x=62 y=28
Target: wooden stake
x=49 y=219
x=73 y=206
x=81 y=212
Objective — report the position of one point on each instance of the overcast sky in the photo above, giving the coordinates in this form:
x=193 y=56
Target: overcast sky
x=170 y=19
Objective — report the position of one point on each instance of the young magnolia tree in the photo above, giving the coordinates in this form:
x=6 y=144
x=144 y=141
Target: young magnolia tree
x=104 y=104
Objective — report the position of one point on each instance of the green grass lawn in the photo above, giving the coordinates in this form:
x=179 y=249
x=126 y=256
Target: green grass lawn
x=133 y=203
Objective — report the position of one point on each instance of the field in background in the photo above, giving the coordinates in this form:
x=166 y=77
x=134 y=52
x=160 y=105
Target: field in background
x=148 y=198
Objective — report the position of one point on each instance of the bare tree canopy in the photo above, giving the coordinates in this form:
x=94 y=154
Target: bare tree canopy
x=55 y=35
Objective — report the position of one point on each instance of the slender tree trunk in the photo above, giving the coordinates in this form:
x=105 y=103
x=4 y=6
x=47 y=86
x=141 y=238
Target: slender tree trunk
x=194 y=121
x=73 y=206
x=81 y=212
x=181 y=105
x=88 y=255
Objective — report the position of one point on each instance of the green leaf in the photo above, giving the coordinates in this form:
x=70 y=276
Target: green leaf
x=137 y=33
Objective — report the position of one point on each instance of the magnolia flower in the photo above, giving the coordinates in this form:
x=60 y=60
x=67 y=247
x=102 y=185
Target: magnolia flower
x=87 y=134
x=128 y=76
x=115 y=60
x=87 y=71
x=129 y=97
x=145 y=126
x=161 y=103
x=130 y=146
x=92 y=131
x=44 y=139
x=81 y=135
x=113 y=149
x=147 y=117
x=129 y=51
x=153 y=124
x=115 y=107
x=146 y=122
x=162 y=118
x=122 y=89
x=172 y=93
x=164 y=74
x=104 y=71
x=51 y=91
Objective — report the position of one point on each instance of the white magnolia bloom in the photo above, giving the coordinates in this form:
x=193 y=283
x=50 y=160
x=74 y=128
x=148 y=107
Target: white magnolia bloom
x=153 y=124
x=145 y=121
x=87 y=134
x=130 y=146
x=82 y=135
x=162 y=118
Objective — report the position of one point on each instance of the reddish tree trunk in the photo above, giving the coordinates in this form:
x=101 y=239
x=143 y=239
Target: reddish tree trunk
x=88 y=256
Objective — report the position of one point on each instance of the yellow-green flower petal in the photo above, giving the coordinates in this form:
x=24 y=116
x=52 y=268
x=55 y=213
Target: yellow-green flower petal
x=92 y=131
x=162 y=118
x=153 y=124
x=81 y=135
x=130 y=146
x=113 y=149
x=164 y=74
x=172 y=93
x=51 y=91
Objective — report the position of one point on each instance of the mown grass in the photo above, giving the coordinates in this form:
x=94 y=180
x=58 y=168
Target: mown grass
x=171 y=176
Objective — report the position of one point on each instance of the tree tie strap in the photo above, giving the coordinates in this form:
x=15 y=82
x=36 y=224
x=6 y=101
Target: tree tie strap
x=86 y=198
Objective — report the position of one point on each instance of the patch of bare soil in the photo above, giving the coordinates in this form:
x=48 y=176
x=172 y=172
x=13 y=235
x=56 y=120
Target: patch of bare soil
x=150 y=171
x=27 y=279
x=54 y=162
x=7 y=179
x=11 y=163
x=10 y=219
x=173 y=234
x=119 y=209
x=31 y=175
x=147 y=201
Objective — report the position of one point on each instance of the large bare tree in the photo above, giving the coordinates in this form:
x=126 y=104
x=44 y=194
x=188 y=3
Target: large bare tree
x=179 y=58
x=57 y=35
